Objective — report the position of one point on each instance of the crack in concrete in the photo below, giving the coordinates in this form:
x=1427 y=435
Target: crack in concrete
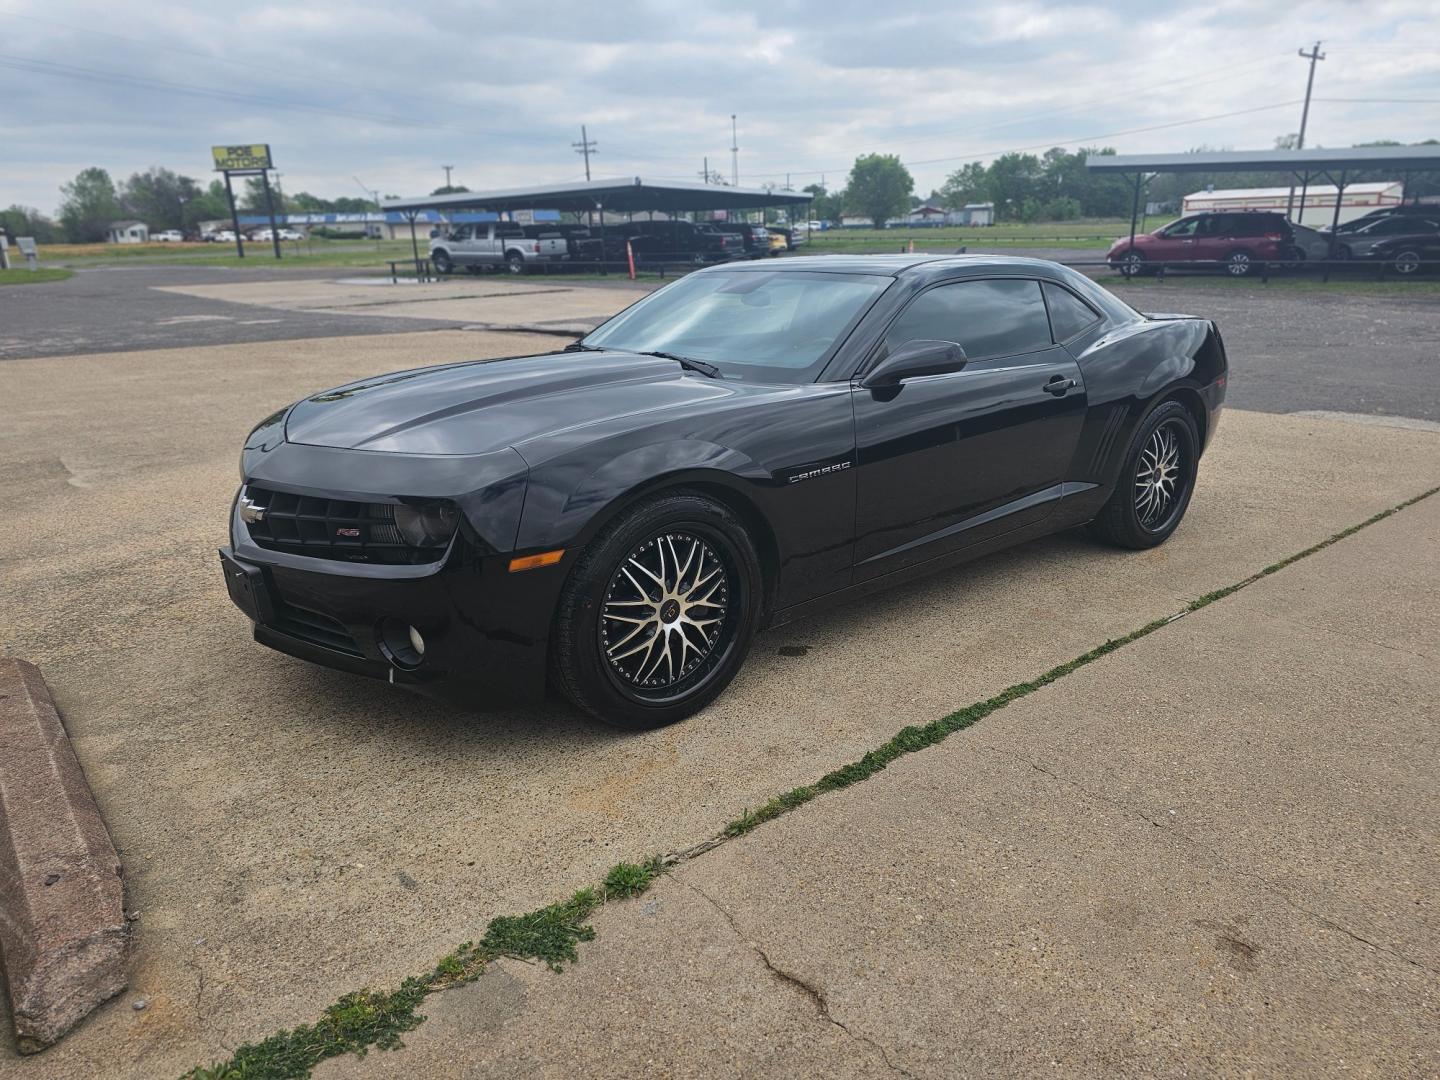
x=1215 y=858
x=813 y=993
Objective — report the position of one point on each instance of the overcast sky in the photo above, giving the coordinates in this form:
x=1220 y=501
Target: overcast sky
x=390 y=91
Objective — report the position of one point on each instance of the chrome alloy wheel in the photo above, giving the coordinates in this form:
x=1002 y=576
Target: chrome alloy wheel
x=1158 y=476
x=665 y=612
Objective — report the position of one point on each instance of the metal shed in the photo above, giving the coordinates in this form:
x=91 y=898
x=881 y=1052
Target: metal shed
x=625 y=195
x=1333 y=166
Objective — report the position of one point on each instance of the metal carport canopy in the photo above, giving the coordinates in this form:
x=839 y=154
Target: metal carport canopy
x=1407 y=158
x=624 y=195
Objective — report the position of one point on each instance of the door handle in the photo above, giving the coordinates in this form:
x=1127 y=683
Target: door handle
x=1058 y=385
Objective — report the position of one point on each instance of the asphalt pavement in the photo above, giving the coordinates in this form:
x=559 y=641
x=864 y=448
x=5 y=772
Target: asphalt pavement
x=123 y=308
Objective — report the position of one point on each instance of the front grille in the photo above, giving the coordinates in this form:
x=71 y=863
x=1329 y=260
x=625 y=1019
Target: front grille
x=315 y=628
x=334 y=529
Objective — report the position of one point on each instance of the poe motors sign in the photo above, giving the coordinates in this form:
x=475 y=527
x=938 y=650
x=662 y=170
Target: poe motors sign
x=241 y=158
x=252 y=159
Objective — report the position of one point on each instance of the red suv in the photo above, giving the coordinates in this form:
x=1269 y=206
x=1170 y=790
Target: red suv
x=1237 y=240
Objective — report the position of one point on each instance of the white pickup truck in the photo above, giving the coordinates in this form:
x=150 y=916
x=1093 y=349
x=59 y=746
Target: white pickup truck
x=493 y=244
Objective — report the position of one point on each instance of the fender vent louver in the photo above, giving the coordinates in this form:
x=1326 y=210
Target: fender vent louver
x=1114 y=421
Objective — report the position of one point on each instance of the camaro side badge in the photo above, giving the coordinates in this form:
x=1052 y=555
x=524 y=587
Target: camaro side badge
x=809 y=474
x=250 y=511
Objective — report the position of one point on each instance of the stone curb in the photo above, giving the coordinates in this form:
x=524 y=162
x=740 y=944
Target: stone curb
x=62 y=920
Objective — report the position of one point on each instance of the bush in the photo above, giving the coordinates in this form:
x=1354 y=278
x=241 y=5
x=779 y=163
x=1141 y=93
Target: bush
x=1061 y=209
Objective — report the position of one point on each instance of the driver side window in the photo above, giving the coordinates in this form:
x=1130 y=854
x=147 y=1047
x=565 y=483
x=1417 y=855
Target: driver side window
x=995 y=317
x=1183 y=227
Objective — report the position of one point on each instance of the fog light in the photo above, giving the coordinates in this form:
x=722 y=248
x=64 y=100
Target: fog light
x=401 y=643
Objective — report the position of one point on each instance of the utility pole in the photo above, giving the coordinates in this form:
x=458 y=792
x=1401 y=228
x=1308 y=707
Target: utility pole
x=585 y=146
x=705 y=171
x=447 y=169
x=1313 y=55
x=734 y=155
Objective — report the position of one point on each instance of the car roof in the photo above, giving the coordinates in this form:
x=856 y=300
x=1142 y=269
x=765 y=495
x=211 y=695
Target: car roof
x=893 y=265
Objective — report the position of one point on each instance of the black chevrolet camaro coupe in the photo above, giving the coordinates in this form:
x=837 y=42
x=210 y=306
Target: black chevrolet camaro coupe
x=617 y=519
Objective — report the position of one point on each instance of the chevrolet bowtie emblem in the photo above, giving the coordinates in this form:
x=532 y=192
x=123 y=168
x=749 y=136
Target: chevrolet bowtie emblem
x=250 y=511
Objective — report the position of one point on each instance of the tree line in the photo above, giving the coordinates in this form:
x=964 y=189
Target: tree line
x=1055 y=186
x=162 y=199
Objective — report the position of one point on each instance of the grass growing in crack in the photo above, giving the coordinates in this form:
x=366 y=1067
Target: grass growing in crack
x=913 y=738
x=917 y=737
x=369 y=1019
x=632 y=879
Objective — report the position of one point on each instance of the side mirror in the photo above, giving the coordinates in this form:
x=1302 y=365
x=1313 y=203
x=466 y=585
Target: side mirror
x=913 y=359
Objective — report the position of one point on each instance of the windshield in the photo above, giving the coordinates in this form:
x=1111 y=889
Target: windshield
x=772 y=326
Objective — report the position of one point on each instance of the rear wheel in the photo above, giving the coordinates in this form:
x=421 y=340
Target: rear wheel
x=657 y=614
x=1407 y=262
x=515 y=262
x=1156 y=480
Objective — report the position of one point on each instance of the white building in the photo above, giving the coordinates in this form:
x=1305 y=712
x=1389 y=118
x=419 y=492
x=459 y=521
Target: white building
x=1358 y=200
x=127 y=232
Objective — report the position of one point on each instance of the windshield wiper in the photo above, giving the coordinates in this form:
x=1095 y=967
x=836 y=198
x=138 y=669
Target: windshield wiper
x=580 y=346
x=710 y=371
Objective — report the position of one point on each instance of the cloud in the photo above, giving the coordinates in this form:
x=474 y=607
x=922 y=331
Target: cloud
x=499 y=89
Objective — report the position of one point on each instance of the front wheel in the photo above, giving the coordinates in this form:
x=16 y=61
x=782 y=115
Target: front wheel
x=658 y=612
x=1239 y=264
x=1131 y=264
x=1156 y=480
x=1407 y=262
x=442 y=262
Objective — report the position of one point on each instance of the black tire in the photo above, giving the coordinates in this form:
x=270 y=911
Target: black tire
x=1342 y=253
x=515 y=262
x=1128 y=519
x=1406 y=262
x=1131 y=264
x=621 y=685
x=442 y=262
x=1239 y=264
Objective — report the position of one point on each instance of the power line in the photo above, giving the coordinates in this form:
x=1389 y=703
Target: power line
x=145 y=82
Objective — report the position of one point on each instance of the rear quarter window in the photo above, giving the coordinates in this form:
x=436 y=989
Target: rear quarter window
x=1069 y=315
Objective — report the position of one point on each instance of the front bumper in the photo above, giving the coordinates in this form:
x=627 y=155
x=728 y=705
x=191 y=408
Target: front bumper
x=485 y=630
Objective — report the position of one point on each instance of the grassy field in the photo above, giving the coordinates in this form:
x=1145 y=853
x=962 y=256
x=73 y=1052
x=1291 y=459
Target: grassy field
x=318 y=253
x=1078 y=235
x=23 y=276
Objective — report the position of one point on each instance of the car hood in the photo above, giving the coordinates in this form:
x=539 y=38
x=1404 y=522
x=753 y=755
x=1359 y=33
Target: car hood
x=481 y=406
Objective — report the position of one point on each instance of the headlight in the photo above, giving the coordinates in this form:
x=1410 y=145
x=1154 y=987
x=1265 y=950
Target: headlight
x=426 y=526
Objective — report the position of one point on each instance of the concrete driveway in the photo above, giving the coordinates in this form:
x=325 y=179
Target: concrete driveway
x=290 y=834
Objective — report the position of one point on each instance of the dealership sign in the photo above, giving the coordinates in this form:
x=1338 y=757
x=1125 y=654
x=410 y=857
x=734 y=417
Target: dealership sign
x=241 y=158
